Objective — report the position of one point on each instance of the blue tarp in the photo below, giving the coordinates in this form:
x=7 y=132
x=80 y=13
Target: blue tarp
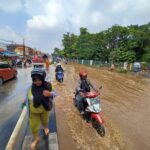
x=8 y=53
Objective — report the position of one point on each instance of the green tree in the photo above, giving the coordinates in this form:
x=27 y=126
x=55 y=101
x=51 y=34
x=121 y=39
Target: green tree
x=122 y=55
x=117 y=43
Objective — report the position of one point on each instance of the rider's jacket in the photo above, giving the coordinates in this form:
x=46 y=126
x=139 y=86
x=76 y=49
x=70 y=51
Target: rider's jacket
x=59 y=68
x=85 y=85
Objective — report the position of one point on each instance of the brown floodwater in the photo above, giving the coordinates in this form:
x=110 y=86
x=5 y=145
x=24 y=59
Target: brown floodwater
x=125 y=102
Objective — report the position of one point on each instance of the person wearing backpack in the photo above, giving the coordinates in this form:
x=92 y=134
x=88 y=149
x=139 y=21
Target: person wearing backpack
x=83 y=85
x=39 y=104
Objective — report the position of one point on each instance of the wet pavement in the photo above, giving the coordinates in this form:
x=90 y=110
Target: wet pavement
x=12 y=94
x=125 y=105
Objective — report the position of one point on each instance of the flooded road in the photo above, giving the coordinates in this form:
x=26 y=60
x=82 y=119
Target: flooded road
x=125 y=104
x=12 y=93
x=126 y=101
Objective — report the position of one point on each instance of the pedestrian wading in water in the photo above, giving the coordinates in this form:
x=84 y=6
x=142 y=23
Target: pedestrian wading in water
x=39 y=101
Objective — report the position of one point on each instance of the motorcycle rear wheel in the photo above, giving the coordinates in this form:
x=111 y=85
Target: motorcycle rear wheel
x=74 y=102
x=99 y=127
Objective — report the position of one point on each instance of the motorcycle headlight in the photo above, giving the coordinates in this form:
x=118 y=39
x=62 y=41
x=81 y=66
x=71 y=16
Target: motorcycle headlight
x=96 y=107
x=95 y=101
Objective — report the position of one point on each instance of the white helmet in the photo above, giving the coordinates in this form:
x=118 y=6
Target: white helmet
x=58 y=64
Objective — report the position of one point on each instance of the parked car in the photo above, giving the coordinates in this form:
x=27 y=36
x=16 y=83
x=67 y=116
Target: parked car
x=6 y=72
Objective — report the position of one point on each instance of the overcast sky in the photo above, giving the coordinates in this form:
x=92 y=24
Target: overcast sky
x=42 y=23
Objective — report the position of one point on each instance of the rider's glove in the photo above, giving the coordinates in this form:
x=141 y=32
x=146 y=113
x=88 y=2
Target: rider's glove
x=97 y=91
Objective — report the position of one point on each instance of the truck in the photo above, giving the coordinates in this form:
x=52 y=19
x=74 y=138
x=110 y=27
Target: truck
x=38 y=62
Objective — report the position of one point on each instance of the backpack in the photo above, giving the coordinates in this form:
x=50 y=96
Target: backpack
x=85 y=86
x=48 y=104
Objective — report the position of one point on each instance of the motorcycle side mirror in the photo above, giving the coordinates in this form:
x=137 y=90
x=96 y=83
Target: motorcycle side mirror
x=100 y=87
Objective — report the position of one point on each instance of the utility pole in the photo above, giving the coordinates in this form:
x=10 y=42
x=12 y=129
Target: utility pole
x=23 y=49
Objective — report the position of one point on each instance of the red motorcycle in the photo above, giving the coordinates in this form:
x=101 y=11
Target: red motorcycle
x=93 y=111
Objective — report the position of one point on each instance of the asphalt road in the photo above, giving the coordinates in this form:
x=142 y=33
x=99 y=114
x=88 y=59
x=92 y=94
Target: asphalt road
x=12 y=94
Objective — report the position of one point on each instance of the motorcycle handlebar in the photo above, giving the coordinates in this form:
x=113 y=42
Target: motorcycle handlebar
x=89 y=93
x=100 y=87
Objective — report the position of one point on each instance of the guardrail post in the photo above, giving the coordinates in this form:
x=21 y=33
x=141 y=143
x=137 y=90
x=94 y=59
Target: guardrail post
x=91 y=62
x=82 y=61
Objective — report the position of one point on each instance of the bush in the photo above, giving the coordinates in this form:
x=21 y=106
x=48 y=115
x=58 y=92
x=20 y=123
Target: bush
x=144 y=65
x=121 y=70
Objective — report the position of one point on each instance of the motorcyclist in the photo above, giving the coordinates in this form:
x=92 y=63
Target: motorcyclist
x=58 y=68
x=83 y=85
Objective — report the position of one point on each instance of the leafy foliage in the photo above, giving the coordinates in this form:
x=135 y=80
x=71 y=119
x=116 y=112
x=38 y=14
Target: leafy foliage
x=117 y=44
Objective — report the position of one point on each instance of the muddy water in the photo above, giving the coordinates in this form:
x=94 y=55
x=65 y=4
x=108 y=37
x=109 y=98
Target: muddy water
x=125 y=104
x=126 y=101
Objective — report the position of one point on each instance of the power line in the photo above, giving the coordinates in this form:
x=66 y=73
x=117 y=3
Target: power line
x=7 y=41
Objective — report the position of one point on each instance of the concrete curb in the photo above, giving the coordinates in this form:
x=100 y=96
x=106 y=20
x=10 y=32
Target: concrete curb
x=53 y=142
x=18 y=136
x=19 y=130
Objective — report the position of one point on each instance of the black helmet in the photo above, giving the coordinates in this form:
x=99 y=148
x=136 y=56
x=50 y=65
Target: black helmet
x=39 y=72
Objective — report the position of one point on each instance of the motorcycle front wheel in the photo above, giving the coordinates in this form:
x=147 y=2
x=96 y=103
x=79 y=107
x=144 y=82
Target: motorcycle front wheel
x=61 y=80
x=99 y=127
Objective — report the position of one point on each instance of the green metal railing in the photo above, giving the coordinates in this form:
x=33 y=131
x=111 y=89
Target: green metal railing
x=94 y=63
x=121 y=67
